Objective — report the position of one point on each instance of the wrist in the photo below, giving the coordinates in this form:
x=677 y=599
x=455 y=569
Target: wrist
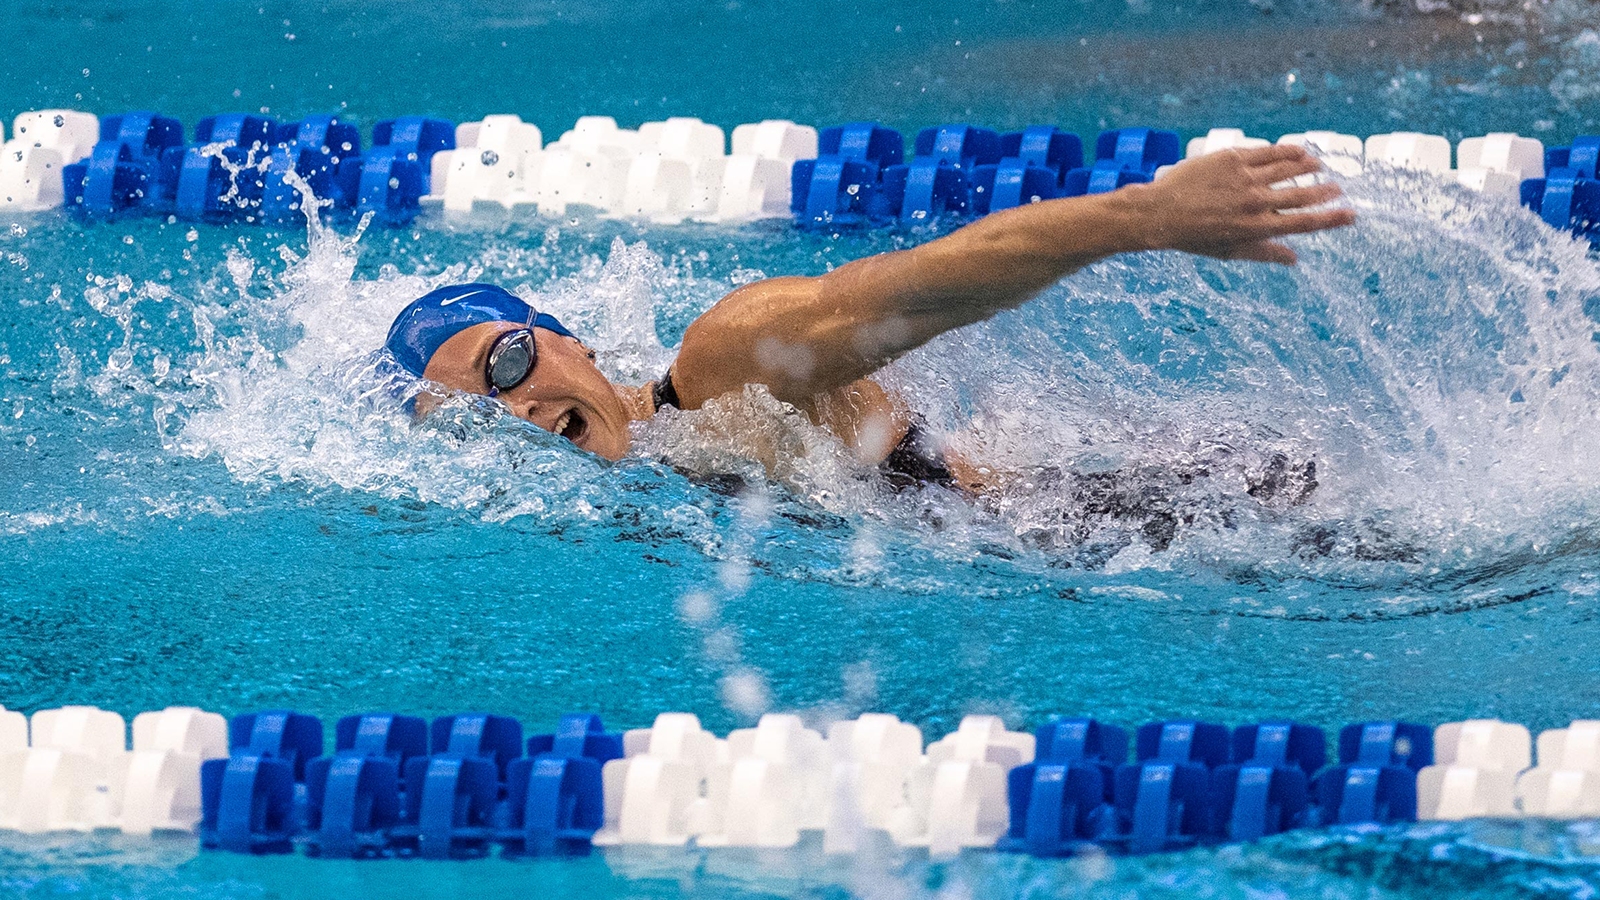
x=1134 y=215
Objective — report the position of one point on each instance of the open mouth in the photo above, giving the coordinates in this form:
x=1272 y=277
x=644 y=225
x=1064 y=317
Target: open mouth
x=571 y=425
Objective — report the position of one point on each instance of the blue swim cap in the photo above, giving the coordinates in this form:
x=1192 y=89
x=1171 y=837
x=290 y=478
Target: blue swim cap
x=430 y=320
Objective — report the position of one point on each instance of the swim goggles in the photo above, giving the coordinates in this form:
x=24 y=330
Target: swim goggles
x=511 y=360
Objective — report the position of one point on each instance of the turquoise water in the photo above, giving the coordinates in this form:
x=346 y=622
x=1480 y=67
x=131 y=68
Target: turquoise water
x=204 y=507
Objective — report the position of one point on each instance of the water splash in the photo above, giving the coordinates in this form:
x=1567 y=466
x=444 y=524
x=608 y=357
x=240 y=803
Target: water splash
x=1410 y=404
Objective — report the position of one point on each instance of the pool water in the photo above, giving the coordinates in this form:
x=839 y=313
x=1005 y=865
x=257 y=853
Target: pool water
x=208 y=503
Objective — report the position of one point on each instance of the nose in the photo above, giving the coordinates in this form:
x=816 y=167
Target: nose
x=540 y=413
x=531 y=409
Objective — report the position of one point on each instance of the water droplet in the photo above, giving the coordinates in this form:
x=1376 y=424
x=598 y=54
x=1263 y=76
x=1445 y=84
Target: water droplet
x=1293 y=85
x=490 y=157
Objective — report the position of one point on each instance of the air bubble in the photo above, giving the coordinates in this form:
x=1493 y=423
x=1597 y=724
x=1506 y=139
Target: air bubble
x=746 y=693
x=697 y=607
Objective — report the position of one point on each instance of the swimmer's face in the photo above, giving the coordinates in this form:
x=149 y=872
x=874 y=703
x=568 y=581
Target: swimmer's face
x=565 y=394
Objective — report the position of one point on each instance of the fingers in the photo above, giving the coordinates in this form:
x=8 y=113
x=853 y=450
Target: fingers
x=1276 y=153
x=1297 y=197
x=1285 y=169
x=1276 y=224
x=1267 y=252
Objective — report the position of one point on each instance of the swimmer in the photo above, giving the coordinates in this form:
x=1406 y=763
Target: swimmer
x=815 y=342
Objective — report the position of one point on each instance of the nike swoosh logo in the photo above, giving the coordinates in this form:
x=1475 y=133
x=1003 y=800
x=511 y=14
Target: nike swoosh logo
x=462 y=297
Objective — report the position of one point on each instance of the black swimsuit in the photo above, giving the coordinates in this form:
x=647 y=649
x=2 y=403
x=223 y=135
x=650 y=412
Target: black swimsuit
x=1151 y=501
x=913 y=461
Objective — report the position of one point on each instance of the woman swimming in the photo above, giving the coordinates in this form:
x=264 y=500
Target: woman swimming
x=815 y=342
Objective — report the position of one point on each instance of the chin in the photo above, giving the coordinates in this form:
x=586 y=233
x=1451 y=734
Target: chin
x=608 y=445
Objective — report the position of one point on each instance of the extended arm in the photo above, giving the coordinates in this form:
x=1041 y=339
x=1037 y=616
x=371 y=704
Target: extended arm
x=807 y=337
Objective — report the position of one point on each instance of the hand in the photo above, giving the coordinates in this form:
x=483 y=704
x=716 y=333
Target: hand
x=1225 y=205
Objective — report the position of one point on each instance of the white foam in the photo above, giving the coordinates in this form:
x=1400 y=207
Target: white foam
x=1182 y=378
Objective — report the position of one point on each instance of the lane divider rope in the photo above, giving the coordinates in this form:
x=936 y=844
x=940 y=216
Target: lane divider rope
x=463 y=786
x=243 y=167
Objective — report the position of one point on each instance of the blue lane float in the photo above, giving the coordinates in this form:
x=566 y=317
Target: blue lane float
x=464 y=785
x=1033 y=166
x=397 y=785
x=842 y=184
x=1060 y=802
x=1161 y=800
x=120 y=171
x=238 y=167
x=938 y=180
x=313 y=151
x=1583 y=156
x=554 y=806
x=1056 y=808
x=1375 y=779
x=1568 y=197
x=248 y=804
x=394 y=175
x=555 y=799
x=870 y=141
x=289 y=736
x=1567 y=200
x=215 y=178
x=1103 y=177
x=352 y=805
x=1138 y=149
x=1159 y=806
x=962 y=170
x=578 y=735
x=1011 y=183
x=1265 y=790
x=495 y=739
x=449 y=811
x=382 y=734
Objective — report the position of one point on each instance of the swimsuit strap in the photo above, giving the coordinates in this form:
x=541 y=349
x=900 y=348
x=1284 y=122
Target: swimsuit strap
x=664 y=394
